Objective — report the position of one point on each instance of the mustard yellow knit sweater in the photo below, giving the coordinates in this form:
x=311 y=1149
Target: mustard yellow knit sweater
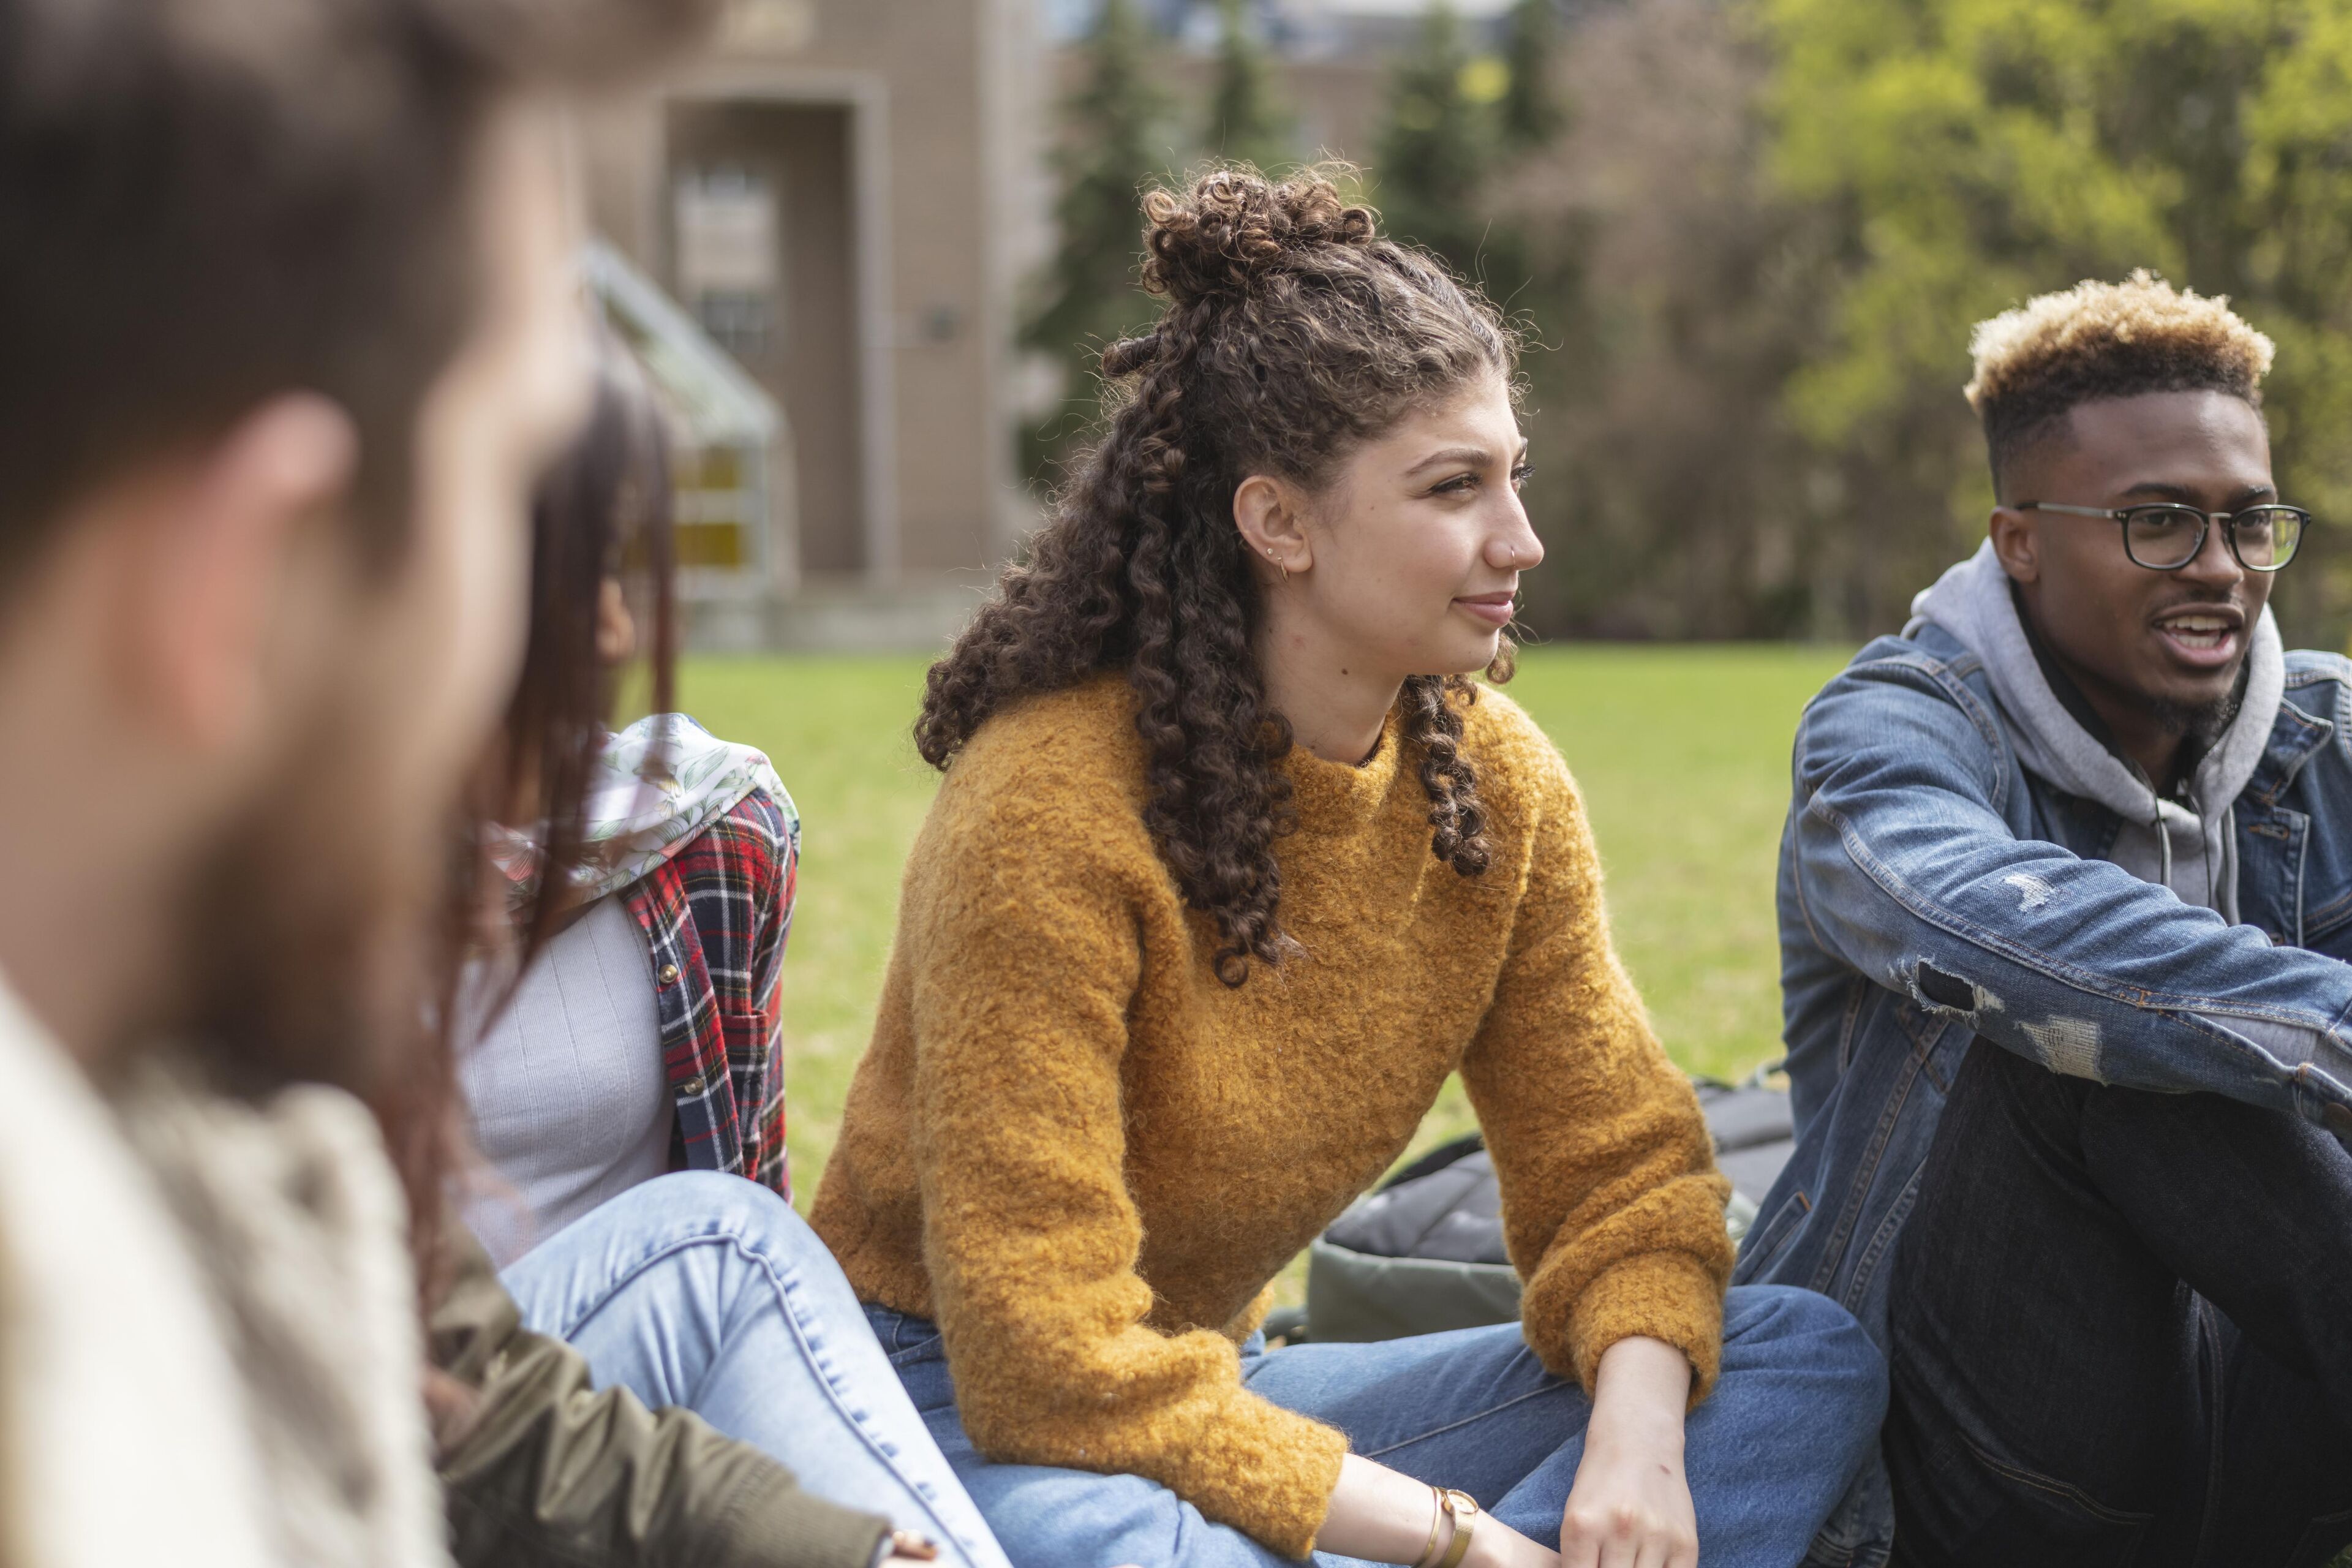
x=1085 y=1157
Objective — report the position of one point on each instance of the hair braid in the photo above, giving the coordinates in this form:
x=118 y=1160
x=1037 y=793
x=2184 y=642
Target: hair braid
x=1293 y=332
x=1432 y=720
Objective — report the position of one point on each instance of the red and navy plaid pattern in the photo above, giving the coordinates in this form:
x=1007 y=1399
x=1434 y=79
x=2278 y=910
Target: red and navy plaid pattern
x=716 y=915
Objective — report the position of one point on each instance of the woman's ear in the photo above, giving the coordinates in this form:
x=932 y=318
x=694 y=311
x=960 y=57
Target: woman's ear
x=1268 y=513
x=616 y=628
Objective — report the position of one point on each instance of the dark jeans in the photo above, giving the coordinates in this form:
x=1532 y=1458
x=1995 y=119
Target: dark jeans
x=2121 y=1331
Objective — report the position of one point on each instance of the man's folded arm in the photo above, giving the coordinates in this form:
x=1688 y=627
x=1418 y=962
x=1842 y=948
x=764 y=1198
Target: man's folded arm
x=1907 y=870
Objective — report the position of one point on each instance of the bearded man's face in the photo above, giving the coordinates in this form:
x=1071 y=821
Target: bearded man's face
x=315 y=930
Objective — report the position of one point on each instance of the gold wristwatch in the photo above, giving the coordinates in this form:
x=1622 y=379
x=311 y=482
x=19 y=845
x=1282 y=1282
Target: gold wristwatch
x=1463 y=1510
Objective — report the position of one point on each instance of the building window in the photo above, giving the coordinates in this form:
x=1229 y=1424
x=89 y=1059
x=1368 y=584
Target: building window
x=728 y=255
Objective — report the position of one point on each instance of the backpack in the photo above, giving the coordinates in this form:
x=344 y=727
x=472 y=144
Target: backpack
x=1424 y=1251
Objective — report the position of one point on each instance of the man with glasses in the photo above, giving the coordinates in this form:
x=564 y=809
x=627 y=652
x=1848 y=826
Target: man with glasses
x=2065 y=896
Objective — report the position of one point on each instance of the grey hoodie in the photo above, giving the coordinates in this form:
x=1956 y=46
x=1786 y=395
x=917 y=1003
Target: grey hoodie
x=2188 y=847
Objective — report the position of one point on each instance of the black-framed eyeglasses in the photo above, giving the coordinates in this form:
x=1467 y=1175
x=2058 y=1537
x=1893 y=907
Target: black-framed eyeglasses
x=2164 y=536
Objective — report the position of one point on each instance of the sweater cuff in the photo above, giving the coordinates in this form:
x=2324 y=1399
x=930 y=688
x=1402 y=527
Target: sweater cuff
x=1274 y=1483
x=771 y=1523
x=1668 y=1296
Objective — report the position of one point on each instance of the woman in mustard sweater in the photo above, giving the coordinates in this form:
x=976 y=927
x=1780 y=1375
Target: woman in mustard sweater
x=1230 y=867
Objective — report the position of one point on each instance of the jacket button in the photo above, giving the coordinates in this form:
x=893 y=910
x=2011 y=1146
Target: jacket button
x=668 y=976
x=693 y=1087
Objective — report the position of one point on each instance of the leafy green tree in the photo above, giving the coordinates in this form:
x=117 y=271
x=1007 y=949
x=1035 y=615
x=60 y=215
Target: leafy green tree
x=1435 y=147
x=1113 y=142
x=1246 y=121
x=1530 y=114
x=1983 y=151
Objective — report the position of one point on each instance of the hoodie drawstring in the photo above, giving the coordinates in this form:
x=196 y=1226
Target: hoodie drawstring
x=2163 y=847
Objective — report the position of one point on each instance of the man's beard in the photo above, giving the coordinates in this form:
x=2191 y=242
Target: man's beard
x=2203 y=722
x=316 y=946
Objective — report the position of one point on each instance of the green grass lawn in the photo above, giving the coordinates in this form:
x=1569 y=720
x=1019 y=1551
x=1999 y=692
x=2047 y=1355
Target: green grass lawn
x=1682 y=753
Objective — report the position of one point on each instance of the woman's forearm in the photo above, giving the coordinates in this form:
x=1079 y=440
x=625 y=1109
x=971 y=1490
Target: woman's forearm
x=1631 y=1501
x=1378 y=1514
x=1642 y=1384
x=1383 y=1516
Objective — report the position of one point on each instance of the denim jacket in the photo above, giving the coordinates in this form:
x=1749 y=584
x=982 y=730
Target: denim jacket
x=1932 y=892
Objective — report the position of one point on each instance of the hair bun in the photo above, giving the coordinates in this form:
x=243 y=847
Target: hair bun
x=1234 y=224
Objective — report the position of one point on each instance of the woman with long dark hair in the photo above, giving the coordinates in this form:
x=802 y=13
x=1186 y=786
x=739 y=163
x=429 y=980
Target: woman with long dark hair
x=1232 y=864
x=628 y=1092
x=654 y=887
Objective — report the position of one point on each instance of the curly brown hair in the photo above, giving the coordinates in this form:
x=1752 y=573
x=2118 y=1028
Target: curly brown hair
x=1294 y=333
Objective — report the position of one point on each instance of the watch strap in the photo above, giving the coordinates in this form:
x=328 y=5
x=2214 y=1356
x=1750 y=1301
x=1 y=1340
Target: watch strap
x=1463 y=1509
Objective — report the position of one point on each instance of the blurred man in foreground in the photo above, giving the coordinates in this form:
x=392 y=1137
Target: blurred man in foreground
x=2064 y=896
x=288 y=330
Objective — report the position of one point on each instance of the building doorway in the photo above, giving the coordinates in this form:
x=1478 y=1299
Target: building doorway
x=762 y=227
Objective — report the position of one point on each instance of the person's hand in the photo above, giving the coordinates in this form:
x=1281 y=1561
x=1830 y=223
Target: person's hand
x=1630 y=1505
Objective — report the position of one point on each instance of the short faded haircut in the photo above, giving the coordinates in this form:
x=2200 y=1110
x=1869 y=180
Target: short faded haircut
x=2097 y=340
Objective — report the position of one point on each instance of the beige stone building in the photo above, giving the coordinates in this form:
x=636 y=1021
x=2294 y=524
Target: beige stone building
x=818 y=232
x=831 y=190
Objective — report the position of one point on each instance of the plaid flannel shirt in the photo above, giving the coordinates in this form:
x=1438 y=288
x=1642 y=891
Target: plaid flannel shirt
x=715 y=915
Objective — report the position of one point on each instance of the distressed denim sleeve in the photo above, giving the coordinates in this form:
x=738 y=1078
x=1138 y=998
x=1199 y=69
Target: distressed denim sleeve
x=1909 y=869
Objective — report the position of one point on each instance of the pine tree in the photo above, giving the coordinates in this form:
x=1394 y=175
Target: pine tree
x=1434 y=150
x=1529 y=114
x=1246 y=123
x=1113 y=143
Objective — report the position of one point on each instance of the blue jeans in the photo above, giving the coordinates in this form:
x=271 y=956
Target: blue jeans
x=707 y=1291
x=1768 y=1454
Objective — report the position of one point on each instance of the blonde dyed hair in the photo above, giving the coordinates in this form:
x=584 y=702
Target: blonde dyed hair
x=2098 y=340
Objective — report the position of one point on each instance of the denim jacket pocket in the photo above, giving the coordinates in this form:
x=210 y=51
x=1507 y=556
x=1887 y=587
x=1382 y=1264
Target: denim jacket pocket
x=1928 y=1033
x=2328 y=928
